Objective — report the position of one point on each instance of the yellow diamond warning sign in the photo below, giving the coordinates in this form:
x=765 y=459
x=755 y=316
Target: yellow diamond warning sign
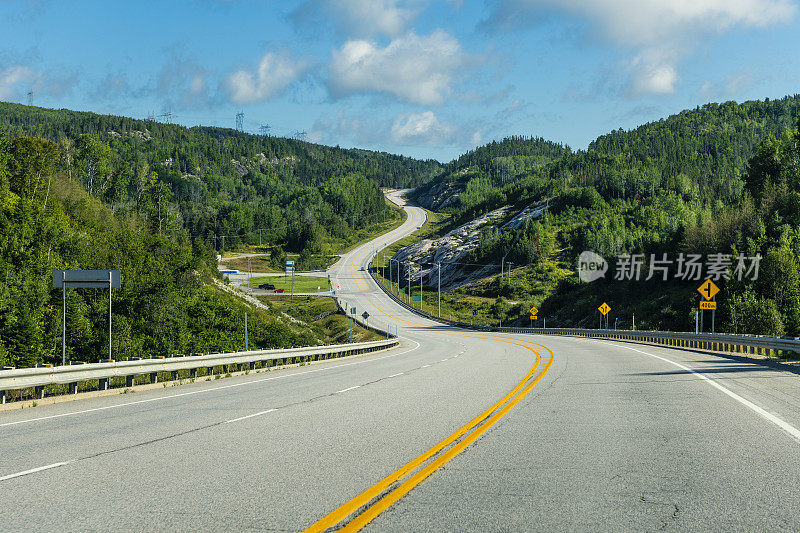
x=708 y=289
x=604 y=309
x=534 y=311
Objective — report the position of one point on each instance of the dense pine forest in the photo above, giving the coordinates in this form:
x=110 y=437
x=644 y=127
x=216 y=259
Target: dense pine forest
x=718 y=179
x=158 y=201
x=215 y=182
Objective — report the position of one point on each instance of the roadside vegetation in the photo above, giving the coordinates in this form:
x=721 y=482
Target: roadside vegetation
x=322 y=315
x=719 y=179
x=159 y=202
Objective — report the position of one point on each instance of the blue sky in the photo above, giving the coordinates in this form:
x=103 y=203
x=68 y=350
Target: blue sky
x=425 y=78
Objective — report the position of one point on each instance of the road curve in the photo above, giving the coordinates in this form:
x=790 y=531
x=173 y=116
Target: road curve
x=453 y=430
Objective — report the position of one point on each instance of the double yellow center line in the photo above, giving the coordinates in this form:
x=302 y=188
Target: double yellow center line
x=361 y=510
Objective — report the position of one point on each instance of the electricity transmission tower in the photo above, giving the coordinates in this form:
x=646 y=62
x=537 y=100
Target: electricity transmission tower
x=167 y=116
x=240 y=121
x=30 y=97
x=264 y=130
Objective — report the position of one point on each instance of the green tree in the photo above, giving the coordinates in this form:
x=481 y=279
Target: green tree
x=93 y=157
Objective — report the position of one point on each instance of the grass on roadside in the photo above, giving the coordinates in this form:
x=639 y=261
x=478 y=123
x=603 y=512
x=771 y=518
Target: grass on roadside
x=321 y=313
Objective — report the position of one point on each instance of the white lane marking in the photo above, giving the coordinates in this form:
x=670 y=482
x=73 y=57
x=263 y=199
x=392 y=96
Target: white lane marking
x=221 y=387
x=347 y=389
x=443 y=360
x=788 y=428
x=395 y=375
x=34 y=470
x=249 y=416
x=425 y=366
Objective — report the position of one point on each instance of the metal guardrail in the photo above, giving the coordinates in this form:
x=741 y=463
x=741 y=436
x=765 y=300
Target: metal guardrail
x=718 y=342
x=14 y=379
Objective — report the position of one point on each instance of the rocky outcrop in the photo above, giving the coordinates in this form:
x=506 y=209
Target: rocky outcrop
x=439 y=196
x=450 y=253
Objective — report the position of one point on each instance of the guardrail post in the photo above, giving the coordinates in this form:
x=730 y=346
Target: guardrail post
x=73 y=388
x=2 y=397
x=153 y=377
x=193 y=373
x=129 y=380
x=38 y=392
x=102 y=384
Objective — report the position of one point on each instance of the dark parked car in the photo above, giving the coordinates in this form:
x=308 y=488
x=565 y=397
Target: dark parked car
x=267 y=286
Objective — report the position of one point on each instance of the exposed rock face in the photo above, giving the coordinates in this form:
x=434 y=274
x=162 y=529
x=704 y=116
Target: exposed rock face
x=141 y=135
x=451 y=252
x=531 y=212
x=442 y=195
x=240 y=168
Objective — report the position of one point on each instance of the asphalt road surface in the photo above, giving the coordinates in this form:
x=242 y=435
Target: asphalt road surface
x=452 y=431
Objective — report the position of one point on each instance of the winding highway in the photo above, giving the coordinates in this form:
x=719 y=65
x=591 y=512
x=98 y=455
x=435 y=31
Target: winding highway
x=454 y=430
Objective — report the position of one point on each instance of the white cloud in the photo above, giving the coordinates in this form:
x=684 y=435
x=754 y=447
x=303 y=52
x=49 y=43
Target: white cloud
x=653 y=72
x=422 y=129
x=197 y=85
x=647 y=23
x=660 y=32
x=734 y=84
x=274 y=74
x=17 y=80
x=413 y=68
x=12 y=77
x=363 y=129
x=425 y=129
x=356 y=18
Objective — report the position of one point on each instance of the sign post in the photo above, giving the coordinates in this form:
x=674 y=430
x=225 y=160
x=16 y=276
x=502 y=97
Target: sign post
x=708 y=290
x=604 y=309
x=84 y=279
x=290 y=269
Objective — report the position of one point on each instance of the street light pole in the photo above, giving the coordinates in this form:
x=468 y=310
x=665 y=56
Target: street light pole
x=109 y=315
x=439 y=272
x=64 y=318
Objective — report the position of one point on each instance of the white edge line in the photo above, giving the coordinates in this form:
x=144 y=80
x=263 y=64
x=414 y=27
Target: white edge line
x=34 y=470
x=788 y=428
x=221 y=387
x=395 y=375
x=250 y=416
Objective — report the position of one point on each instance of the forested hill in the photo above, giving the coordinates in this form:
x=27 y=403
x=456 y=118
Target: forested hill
x=86 y=191
x=212 y=150
x=709 y=145
x=487 y=166
x=221 y=185
x=700 y=152
x=716 y=181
